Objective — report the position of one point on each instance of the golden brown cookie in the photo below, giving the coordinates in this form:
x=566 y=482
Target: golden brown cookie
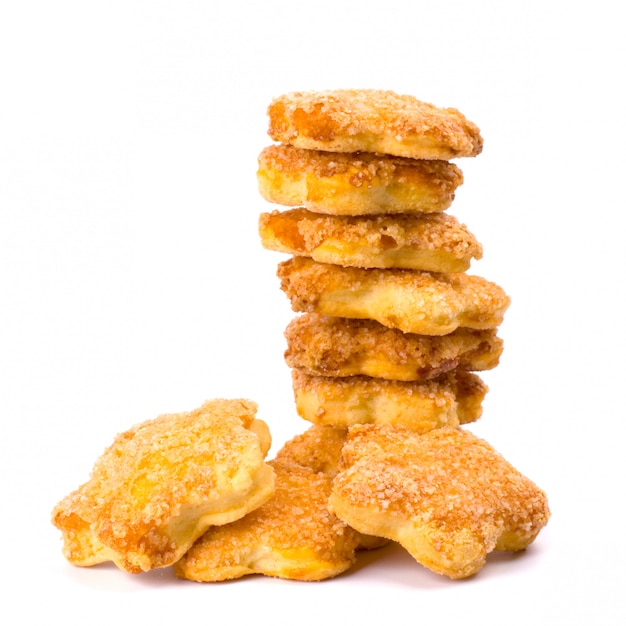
x=162 y=483
x=291 y=536
x=355 y=184
x=338 y=346
x=414 y=302
x=448 y=497
x=453 y=398
x=318 y=449
x=371 y=120
x=430 y=242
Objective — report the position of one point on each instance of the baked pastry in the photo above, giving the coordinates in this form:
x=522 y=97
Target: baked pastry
x=453 y=398
x=318 y=449
x=414 y=302
x=164 y=482
x=371 y=120
x=338 y=346
x=434 y=242
x=355 y=183
x=291 y=536
x=447 y=496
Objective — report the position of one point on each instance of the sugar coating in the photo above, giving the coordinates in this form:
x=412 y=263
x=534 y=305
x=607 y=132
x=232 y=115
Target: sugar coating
x=451 y=399
x=430 y=241
x=355 y=183
x=337 y=346
x=364 y=167
x=412 y=301
x=163 y=482
x=318 y=448
x=447 y=496
x=293 y=535
x=370 y=120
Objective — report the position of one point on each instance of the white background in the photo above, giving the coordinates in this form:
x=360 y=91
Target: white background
x=133 y=283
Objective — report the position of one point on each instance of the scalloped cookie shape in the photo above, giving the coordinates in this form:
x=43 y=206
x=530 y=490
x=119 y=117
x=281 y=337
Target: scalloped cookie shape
x=446 y=496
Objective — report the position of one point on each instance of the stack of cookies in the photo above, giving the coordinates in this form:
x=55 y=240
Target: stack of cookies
x=384 y=355
x=392 y=329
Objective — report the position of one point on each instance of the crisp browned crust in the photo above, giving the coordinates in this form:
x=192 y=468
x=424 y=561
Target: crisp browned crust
x=337 y=346
x=448 y=497
x=452 y=399
x=412 y=301
x=291 y=536
x=162 y=483
x=318 y=448
x=370 y=120
x=355 y=184
x=434 y=242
